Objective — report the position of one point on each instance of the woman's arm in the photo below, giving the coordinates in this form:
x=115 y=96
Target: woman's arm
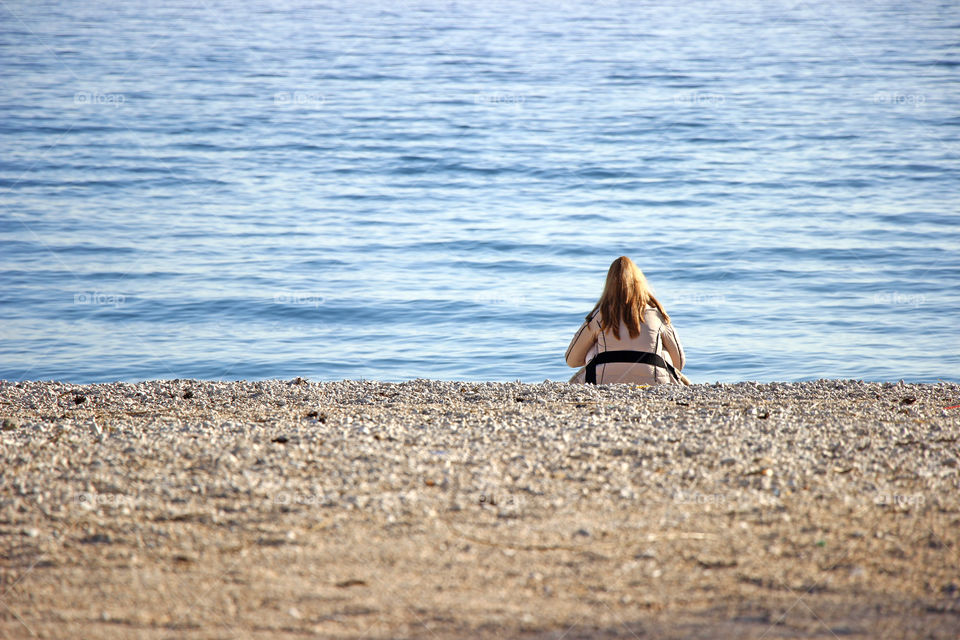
x=582 y=341
x=672 y=344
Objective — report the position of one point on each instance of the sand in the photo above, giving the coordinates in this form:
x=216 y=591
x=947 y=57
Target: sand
x=357 y=509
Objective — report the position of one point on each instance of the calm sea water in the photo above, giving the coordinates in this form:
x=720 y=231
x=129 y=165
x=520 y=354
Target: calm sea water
x=395 y=190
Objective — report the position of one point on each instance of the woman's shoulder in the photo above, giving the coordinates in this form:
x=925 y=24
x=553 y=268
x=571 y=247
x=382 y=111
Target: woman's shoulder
x=653 y=314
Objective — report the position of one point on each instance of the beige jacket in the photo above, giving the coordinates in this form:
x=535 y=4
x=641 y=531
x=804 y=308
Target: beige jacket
x=655 y=337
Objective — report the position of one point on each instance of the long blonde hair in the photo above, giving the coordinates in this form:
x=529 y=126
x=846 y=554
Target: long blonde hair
x=626 y=295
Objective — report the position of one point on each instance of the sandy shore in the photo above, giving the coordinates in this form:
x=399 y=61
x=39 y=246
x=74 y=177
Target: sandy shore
x=287 y=509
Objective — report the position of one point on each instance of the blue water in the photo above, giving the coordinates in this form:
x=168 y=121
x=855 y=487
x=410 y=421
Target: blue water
x=395 y=190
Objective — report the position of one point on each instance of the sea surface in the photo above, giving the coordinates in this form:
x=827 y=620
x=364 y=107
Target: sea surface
x=426 y=189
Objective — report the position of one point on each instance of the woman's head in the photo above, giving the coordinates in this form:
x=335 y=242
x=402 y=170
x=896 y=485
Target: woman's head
x=625 y=296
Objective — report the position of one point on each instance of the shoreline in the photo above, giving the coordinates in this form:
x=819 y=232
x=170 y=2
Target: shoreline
x=362 y=509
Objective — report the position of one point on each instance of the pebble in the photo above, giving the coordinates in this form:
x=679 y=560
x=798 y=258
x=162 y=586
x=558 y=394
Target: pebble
x=428 y=448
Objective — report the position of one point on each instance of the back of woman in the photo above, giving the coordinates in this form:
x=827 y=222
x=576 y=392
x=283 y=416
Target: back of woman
x=641 y=347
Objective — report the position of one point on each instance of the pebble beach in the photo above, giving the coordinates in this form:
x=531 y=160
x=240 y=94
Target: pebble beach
x=426 y=509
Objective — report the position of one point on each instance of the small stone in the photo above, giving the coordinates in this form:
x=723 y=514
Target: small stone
x=351 y=582
x=187 y=394
x=79 y=398
x=581 y=532
x=97 y=538
x=9 y=424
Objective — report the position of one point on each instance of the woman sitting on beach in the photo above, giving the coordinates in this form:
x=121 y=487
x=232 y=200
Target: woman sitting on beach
x=637 y=345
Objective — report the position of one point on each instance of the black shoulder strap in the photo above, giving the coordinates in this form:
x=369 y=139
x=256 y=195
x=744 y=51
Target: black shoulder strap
x=639 y=357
